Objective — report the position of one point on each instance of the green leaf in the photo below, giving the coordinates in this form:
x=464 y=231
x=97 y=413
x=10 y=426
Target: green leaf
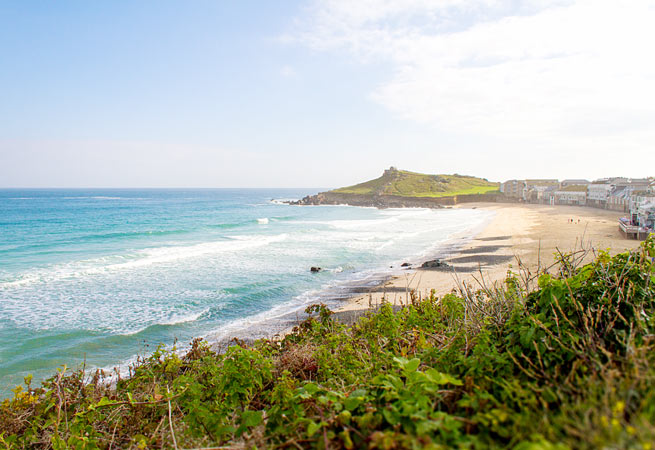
x=390 y=416
x=412 y=365
x=442 y=378
x=402 y=362
x=426 y=426
x=310 y=388
x=312 y=428
x=251 y=418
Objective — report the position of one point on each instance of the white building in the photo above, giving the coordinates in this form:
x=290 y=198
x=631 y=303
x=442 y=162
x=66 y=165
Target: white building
x=598 y=193
x=571 y=195
x=646 y=215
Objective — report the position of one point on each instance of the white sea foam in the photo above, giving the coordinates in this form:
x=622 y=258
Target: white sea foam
x=142 y=258
x=282 y=201
x=262 y=221
x=177 y=319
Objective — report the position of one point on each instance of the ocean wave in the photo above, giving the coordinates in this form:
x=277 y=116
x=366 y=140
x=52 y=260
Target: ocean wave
x=142 y=258
x=132 y=234
x=97 y=197
x=284 y=315
x=174 y=320
x=389 y=217
x=226 y=226
x=174 y=253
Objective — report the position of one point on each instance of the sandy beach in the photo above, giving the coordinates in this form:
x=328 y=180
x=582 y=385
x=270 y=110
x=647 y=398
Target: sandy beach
x=530 y=233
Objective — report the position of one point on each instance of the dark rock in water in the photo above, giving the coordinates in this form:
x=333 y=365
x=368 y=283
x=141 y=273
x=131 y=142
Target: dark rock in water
x=435 y=263
x=405 y=265
x=315 y=269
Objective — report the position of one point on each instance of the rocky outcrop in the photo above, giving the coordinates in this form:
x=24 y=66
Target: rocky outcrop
x=434 y=264
x=390 y=201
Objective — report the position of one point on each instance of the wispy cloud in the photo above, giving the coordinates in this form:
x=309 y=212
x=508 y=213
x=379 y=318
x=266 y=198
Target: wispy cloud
x=547 y=69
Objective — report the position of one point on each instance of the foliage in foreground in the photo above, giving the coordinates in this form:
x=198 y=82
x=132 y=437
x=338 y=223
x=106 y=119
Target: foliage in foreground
x=566 y=364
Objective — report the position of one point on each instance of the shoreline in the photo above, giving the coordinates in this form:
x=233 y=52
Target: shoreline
x=339 y=294
x=527 y=232
x=489 y=250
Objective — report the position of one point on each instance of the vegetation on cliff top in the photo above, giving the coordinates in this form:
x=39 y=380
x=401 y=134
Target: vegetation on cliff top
x=410 y=184
x=555 y=360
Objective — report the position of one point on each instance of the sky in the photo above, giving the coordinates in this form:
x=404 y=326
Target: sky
x=323 y=93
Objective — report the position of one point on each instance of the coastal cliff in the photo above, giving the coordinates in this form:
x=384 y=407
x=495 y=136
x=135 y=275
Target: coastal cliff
x=404 y=189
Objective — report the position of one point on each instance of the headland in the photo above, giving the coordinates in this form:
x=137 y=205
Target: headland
x=404 y=189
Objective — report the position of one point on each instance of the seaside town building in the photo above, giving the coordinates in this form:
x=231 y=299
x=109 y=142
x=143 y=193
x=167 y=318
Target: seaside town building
x=646 y=216
x=573 y=194
x=607 y=193
x=513 y=188
x=598 y=192
x=633 y=196
x=566 y=183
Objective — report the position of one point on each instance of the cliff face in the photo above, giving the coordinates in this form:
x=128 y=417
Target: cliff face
x=402 y=189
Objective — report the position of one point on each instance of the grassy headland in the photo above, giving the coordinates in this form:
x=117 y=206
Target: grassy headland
x=556 y=360
x=401 y=188
x=412 y=184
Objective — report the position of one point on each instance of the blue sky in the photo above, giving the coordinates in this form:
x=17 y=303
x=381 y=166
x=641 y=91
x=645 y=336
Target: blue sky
x=320 y=93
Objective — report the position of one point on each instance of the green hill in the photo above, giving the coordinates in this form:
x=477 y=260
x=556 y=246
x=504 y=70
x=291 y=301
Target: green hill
x=411 y=184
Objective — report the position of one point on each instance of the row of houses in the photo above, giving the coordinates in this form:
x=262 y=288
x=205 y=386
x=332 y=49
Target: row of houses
x=635 y=196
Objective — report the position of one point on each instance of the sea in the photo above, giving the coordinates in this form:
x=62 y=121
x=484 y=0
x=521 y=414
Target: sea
x=94 y=278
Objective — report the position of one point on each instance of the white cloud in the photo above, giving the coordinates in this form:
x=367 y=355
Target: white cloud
x=561 y=73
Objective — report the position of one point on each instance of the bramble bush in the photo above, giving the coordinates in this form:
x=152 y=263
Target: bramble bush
x=567 y=363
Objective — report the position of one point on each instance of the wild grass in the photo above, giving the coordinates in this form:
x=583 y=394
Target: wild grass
x=411 y=184
x=554 y=359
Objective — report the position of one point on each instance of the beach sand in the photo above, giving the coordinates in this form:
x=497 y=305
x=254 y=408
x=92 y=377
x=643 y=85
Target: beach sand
x=531 y=233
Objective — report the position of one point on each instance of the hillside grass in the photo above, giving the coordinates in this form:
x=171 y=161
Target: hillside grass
x=556 y=360
x=410 y=184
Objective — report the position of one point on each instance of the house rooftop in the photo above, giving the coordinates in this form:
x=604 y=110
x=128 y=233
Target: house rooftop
x=575 y=188
x=576 y=181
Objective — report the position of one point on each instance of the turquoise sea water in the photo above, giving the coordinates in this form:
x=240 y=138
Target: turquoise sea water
x=104 y=275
